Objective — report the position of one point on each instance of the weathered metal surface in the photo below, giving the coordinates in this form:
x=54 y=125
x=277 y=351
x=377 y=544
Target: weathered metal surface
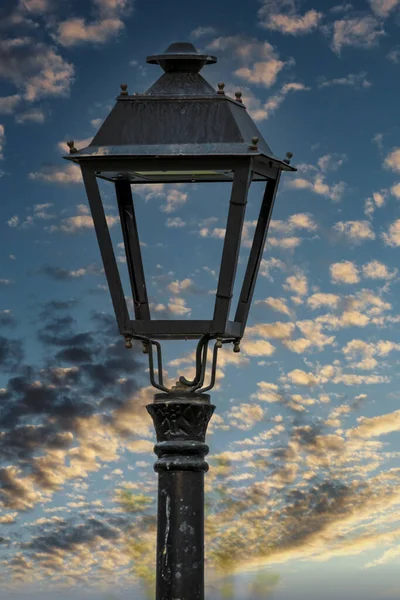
x=106 y=250
x=181 y=329
x=180 y=423
x=179 y=114
x=181 y=56
x=256 y=253
x=133 y=251
x=230 y=252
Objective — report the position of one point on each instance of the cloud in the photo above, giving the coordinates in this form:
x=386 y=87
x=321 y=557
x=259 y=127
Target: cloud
x=257 y=348
x=361 y=32
x=2 y=141
x=283 y=17
x=394 y=55
x=75 y=31
x=245 y=416
x=35 y=115
x=53 y=174
x=392 y=236
x=344 y=272
x=278 y=304
x=331 y=162
x=382 y=8
x=392 y=160
x=175 y=199
x=177 y=287
x=274 y=102
x=36 y=6
x=268 y=264
x=297 y=283
x=300 y=377
x=202 y=32
x=318 y=183
x=355 y=231
x=177 y=306
x=377 y=201
x=60 y=274
x=376 y=426
x=277 y=330
x=35 y=68
x=176 y=222
x=261 y=73
x=260 y=61
x=296 y=221
x=354 y=80
x=377 y=270
x=109 y=23
x=320 y=300
x=9 y=103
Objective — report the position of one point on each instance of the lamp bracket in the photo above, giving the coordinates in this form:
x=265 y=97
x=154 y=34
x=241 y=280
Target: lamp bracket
x=184 y=385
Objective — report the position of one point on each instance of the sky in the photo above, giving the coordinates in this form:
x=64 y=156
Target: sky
x=303 y=487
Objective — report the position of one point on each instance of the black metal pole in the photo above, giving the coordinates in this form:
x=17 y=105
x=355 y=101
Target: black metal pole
x=180 y=420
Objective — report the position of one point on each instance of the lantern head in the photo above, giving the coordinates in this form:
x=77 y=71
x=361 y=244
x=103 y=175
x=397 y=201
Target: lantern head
x=180 y=130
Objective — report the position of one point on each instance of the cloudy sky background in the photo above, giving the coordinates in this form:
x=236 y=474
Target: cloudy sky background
x=304 y=443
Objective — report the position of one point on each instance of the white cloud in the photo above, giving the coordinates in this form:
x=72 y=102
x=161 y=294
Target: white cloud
x=34 y=115
x=392 y=160
x=202 y=32
x=392 y=236
x=318 y=185
x=283 y=17
x=9 y=103
x=76 y=31
x=177 y=287
x=35 y=6
x=344 y=272
x=296 y=221
x=319 y=300
x=260 y=61
x=377 y=270
x=300 y=377
x=355 y=231
x=395 y=190
x=36 y=69
x=2 y=141
x=394 y=55
x=108 y=24
x=176 y=222
x=267 y=265
x=257 y=348
x=175 y=199
x=377 y=201
x=376 y=426
x=331 y=162
x=81 y=222
x=261 y=73
x=297 y=283
x=278 y=304
x=358 y=80
x=383 y=8
x=178 y=306
x=274 y=102
x=361 y=32
x=70 y=174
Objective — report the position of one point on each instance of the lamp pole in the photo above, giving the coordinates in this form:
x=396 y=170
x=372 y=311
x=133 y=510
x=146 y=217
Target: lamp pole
x=180 y=420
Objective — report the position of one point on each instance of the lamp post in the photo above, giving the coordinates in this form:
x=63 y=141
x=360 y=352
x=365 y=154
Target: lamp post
x=180 y=130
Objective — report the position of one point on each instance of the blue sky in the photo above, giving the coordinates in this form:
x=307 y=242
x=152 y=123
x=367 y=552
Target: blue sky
x=305 y=437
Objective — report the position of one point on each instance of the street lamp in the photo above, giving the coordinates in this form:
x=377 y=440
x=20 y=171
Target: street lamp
x=180 y=130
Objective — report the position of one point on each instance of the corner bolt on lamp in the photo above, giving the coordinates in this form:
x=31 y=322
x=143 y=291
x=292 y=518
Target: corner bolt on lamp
x=180 y=130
